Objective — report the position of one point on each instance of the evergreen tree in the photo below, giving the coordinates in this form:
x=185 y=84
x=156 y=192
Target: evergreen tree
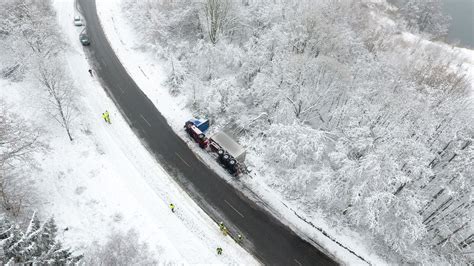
x=36 y=245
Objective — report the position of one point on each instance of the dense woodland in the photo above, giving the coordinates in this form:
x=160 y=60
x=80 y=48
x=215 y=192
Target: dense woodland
x=341 y=116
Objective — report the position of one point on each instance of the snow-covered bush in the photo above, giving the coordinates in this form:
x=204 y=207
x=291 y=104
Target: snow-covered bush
x=120 y=249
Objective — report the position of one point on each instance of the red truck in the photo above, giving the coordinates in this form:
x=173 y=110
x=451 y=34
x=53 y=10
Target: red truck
x=230 y=154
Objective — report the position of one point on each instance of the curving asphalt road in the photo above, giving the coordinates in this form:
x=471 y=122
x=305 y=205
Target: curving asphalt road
x=269 y=240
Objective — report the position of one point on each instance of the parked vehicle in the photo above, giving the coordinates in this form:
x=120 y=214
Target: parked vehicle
x=77 y=21
x=202 y=124
x=230 y=154
x=193 y=128
x=225 y=140
x=84 y=39
x=228 y=161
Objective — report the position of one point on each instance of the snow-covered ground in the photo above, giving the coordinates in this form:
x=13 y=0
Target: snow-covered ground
x=105 y=180
x=149 y=73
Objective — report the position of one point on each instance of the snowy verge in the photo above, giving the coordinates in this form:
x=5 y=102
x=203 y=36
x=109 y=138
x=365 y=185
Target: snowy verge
x=149 y=74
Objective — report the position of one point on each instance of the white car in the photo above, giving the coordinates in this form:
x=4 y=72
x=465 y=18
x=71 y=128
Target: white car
x=77 y=21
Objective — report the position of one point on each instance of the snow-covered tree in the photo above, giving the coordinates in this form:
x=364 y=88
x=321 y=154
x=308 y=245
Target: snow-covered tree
x=35 y=245
x=425 y=16
x=60 y=94
x=216 y=12
x=28 y=30
x=18 y=143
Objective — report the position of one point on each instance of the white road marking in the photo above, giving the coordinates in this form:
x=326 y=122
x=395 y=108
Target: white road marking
x=145 y=120
x=122 y=90
x=234 y=208
x=299 y=263
x=182 y=159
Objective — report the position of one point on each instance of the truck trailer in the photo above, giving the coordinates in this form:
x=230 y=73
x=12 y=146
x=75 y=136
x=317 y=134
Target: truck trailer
x=230 y=154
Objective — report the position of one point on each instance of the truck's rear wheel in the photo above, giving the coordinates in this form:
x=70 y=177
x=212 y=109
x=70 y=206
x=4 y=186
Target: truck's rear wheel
x=226 y=157
x=220 y=152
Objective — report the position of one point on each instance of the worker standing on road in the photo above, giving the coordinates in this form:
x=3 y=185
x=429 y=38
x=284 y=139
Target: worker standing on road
x=219 y=251
x=239 y=238
x=221 y=226
x=107 y=117
x=172 y=207
x=104 y=117
x=225 y=231
x=90 y=72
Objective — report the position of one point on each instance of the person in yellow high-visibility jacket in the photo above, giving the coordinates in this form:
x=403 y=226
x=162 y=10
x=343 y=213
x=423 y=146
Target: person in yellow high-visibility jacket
x=104 y=117
x=225 y=231
x=239 y=238
x=172 y=207
x=107 y=115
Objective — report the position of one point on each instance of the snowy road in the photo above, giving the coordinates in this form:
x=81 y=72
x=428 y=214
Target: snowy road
x=265 y=237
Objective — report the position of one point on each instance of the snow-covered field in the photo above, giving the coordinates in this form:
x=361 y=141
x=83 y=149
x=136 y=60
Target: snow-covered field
x=105 y=180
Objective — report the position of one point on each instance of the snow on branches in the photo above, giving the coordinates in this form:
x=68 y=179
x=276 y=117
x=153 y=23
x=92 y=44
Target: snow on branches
x=35 y=245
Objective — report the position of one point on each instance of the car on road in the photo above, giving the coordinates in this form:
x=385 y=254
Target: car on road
x=77 y=21
x=84 y=39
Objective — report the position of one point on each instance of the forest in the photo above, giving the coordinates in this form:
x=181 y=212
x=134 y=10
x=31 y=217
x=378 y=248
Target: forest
x=345 y=114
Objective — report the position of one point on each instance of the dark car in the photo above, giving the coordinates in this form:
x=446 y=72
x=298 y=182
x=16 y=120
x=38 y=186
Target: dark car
x=84 y=39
